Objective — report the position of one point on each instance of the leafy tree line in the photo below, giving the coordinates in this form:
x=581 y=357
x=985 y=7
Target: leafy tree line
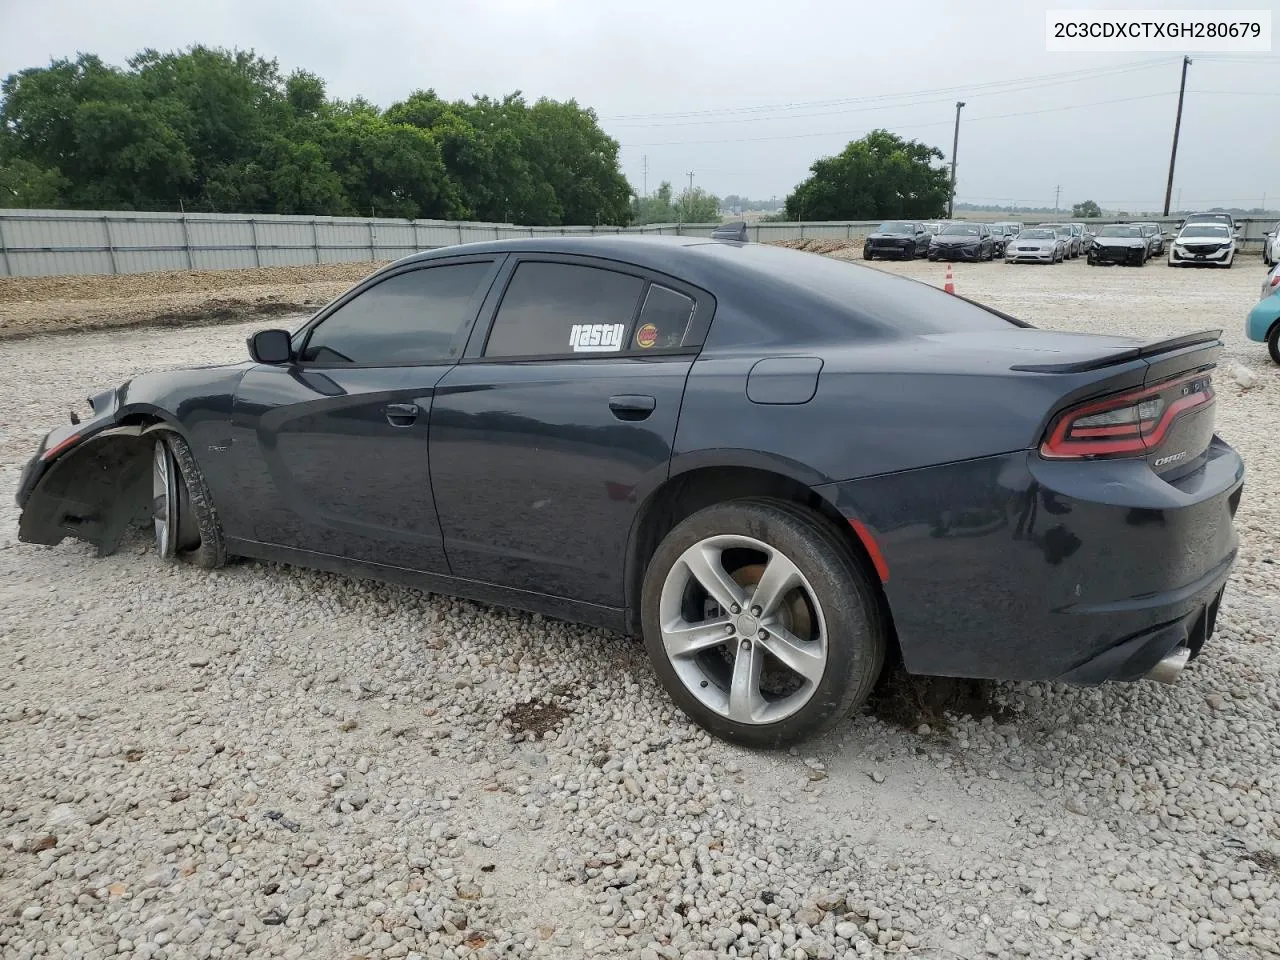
x=694 y=205
x=216 y=130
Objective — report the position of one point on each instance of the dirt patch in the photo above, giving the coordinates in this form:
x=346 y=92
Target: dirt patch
x=41 y=305
x=820 y=245
x=907 y=701
x=1267 y=861
x=535 y=717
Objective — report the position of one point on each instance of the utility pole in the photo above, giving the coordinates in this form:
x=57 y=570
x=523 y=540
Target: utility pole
x=690 y=181
x=1177 y=126
x=646 y=176
x=1057 y=192
x=955 y=144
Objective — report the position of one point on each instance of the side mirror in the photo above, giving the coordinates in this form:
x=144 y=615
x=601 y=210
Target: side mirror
x=271 y=346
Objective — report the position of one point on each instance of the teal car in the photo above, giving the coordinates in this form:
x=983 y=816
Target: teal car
x=1263 y=323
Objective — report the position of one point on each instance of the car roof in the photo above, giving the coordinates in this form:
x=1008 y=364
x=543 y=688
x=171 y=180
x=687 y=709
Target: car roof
x=765 y=294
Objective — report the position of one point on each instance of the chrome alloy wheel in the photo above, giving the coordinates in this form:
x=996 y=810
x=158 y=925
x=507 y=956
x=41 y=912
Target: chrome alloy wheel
x=164 y=500
x=743 y=629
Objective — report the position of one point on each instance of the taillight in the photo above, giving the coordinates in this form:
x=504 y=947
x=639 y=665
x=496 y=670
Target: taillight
x=1128 y=424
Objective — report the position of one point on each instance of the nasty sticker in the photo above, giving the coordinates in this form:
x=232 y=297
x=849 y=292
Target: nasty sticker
x=647 y=336
x=596 y=337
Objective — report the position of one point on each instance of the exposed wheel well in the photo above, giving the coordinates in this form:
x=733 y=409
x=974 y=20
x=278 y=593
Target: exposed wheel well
x=686 y=494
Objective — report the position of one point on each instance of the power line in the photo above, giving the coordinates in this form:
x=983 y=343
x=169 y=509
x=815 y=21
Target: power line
x=873 y=105
x=913 y=126
x=968 y=89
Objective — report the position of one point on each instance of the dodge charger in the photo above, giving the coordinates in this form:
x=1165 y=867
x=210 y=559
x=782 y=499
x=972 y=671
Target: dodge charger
x=778 y=469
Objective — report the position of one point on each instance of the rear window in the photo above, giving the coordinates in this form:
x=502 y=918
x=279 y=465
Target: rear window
x=797 y=297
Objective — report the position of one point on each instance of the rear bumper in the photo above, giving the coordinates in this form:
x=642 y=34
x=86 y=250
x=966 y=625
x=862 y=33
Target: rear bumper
x=1134 y=657
x=1018 y=568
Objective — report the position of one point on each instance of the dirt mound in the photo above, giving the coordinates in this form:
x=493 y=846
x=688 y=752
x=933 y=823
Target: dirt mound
x=820 y=245
x=38 y=305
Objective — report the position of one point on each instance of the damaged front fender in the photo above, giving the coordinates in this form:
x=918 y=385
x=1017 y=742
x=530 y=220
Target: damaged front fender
x=94 y=492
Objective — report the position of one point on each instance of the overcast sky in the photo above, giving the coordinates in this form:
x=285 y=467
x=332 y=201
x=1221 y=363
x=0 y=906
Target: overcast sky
x=707 y=67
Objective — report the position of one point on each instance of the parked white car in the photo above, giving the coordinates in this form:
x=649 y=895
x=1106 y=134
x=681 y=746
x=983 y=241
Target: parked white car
x=1203 y=244
x=1271 y=248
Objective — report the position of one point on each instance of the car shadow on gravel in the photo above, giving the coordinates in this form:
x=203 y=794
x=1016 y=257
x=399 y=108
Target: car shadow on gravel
x=903 y=700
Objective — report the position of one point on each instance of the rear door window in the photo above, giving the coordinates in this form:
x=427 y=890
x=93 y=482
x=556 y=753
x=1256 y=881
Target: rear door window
x=552 y=309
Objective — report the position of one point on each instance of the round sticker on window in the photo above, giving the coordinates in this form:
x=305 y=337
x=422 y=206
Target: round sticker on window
x=647 y=336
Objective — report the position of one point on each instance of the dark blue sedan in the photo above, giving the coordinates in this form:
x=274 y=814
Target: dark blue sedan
x=780 y=469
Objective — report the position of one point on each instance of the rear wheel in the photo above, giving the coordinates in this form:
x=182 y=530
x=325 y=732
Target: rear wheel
x=184 y=523
x=760 y=624
x=1273 y=343
x=866 y=254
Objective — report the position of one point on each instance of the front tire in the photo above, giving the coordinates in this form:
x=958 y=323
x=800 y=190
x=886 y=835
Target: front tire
x=185 y=524
x=764 y=674
x=1273 y=343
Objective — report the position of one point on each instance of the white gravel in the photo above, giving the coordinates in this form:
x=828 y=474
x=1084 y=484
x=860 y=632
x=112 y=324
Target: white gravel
x=269 y=762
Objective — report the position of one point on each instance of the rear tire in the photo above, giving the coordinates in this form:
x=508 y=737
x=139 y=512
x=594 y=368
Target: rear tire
x=827 y=621
x=194 y=534
x=866 y=254
x=1273 y=343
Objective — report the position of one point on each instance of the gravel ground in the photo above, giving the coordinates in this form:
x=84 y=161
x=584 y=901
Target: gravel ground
x=266 y=761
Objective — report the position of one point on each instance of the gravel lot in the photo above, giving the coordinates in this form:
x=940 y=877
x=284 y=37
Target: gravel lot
x=267 y=762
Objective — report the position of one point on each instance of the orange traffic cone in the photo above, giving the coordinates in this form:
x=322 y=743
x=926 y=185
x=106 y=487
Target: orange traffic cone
x=950 y=285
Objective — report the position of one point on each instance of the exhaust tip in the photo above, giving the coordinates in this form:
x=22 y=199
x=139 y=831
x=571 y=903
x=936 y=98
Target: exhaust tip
x=1167 y=670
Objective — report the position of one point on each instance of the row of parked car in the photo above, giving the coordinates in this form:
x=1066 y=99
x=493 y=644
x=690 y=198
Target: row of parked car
x=1207 y=239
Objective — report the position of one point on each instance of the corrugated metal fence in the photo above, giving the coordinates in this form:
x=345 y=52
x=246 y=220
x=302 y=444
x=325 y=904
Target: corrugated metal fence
x=60 y=242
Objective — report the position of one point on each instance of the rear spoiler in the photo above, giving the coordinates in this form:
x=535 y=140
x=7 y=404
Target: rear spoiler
x=1141 y=352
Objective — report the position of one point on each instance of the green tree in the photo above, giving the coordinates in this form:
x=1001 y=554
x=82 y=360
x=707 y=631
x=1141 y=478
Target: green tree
x=214 y=129
x=658 y=208
x=1085 y=210
x=697 y=206
x=23 y=184
x=878 y=177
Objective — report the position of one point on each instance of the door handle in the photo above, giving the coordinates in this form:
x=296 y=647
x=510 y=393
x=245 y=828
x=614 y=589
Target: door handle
x=632 y=407
x=401 y=414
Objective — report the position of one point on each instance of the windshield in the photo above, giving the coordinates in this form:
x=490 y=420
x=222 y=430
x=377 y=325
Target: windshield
x=896 y=226
x=1120 y=231
x=961 y=230
x=1036 y=235
x=1206 y=230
